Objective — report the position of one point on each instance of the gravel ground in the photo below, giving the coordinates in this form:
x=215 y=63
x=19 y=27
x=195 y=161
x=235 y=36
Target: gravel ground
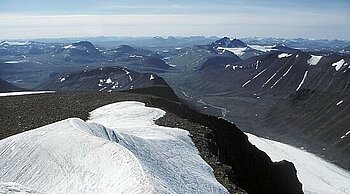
x=22 y=113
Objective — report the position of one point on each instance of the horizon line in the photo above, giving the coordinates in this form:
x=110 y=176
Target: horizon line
x=167 y=36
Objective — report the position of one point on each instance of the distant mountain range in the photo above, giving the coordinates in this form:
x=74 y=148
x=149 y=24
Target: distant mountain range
x=293 y=91
x=229 y=68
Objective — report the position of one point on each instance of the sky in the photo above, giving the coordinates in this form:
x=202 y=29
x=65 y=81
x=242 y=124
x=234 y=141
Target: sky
x=21 y=19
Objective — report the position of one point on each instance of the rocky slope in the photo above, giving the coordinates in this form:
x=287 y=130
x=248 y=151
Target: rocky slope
x=106 y=79
x=299 y=98
x=8 y=87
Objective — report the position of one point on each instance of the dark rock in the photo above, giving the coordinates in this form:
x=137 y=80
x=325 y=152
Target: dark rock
x=252 y=169
x=5 y=86
x=218 y=62
x=156 y=63
x=106 y=79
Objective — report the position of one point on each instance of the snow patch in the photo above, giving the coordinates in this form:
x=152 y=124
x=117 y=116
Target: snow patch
x=284 y=55
x=302 y=81
x=128 y=74
x=69 y=46
x=269 y=79
x=340 y=102
x=317 y=175
x=237 y=51
x=116 y=85
x=287 y=71
x=62 y=79
x=102 y=88
x=233 y=66
x=12 y=62
x=257 y=75
x=247 y=82
x=17 y=62
x=314 y=60
x=263 y=48
x=257 y=64
x=135 y=56
x=346 y=134
x=109 y=81
x=338 y=65
x=24 y=93
x=151 y=77
x=282 y=76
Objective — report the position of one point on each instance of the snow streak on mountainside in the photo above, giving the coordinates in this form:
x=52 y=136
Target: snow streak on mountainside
x=133 y=155
x=316 y=175
x=24 y=93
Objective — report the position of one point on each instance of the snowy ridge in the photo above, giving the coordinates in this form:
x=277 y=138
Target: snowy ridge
x=120 y=150
x=316 y=175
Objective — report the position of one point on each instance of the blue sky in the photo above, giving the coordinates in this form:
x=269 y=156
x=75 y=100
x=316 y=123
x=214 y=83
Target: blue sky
x=236 y=18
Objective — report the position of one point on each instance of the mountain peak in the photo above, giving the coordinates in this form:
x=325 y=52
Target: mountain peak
x=225 y=41
x=230 y=43
x=236 y=43
x=88 y=45
x=126 y=48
